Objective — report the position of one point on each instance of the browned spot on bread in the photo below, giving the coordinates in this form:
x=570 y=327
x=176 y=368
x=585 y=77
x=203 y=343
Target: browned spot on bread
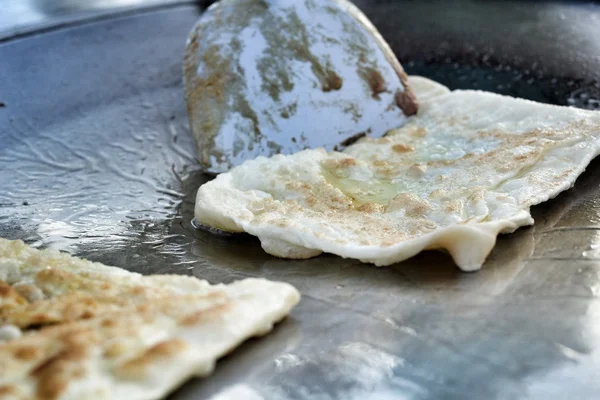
x=167 y=348
x=205 y=314
x=381 y=140
x=347 y=162
x=54 y=373
x=30 y=292
x=296 y=186
x=77 y=337
x=453 y=206
x=41 y=319
x=8 y=390
x=311 y=200
x=64 y=308
x=27 y=352
x=418 y=131
x=338 y=164
x=139 y=291
x=79 y=373
x=387 y=170
x=5 y=289
x=108 y=323
x=49 y=388
x=371 y=208
x=564 y=174
x=402 y=148
x=56 y=277
x=115 y=349
x=282 y=223
x=10 y=297
x=477 y=196
x=412 y=205
x=136 y=368
x=529 y=156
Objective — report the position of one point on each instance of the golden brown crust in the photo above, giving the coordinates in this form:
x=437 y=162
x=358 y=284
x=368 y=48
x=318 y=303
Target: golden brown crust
x=203 y=315
x=137 y=368
x=9 y=390
x=402 y=148
x=27 y=353
x=96 y=325
x=371 y=208
x=9 y=297
x=54 y=374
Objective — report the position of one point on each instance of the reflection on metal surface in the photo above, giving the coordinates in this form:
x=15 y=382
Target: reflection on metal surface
x=17 y=15
x=354 y=369
x=582 y=366
x=56 y=6
x=238 y=392
x=98 y=159
x=94 y=190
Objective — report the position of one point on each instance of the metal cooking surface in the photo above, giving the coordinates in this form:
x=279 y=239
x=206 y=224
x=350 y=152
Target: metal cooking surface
x=96 y=158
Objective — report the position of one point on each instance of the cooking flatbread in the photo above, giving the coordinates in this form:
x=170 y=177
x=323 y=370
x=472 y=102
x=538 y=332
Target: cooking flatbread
x=467 y=167
x=74 y=329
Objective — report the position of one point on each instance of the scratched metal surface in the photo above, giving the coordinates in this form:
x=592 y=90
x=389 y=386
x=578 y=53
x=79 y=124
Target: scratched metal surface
x=96 y=158
x=21 y=17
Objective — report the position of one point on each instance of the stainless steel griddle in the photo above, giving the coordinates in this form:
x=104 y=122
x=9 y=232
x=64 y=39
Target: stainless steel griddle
x=96 y=158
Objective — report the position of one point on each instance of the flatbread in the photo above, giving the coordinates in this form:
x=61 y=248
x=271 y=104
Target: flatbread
x=467 y=167
x=74 y=329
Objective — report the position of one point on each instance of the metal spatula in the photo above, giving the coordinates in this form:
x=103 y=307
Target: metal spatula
x=277 y=76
